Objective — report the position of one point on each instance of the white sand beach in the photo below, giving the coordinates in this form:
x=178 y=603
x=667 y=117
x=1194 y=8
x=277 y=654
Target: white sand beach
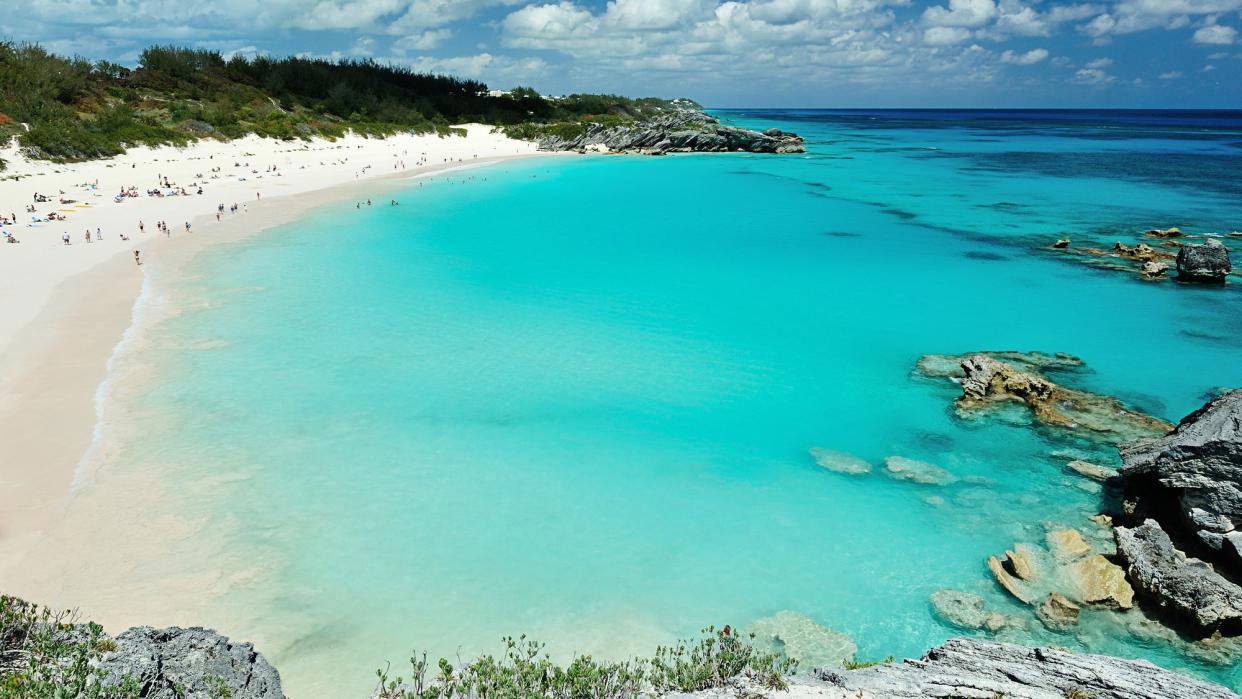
x=66 y=307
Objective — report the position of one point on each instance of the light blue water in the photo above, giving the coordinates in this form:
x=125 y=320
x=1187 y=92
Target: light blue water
x=574 y=397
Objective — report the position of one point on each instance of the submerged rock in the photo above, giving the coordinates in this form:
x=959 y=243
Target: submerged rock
x=799 y=637
x=915 y=471
x=1192 y=479
x=966 y=610
x=1186 y=587
x=1090 y=470
x=1067 y=544
x=991 y=379
x=840 y=462
x=192 y=663
x=1057 y=613
x=965 y=667
x=1206 y=263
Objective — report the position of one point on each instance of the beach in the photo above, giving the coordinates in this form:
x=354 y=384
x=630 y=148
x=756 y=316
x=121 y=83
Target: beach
x=66 y=308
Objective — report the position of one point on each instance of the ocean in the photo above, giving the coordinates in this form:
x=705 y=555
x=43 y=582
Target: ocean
x=574 y=397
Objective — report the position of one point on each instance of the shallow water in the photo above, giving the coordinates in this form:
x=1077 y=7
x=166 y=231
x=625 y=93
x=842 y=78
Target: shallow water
x=575 y=397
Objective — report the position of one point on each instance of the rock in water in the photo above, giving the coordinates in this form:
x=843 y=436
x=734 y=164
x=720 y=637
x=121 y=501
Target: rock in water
x=903 y=469
x=192 y=663
x=1067 y=545
x=989 y=379
x=812 y=645
x=1057 y=613
x=840 y=462
x=1097 y=580
x=961 y=609
x=1195 y=473
x=1207 y=263
x=1186 y=587
x=965 y=667
x=1090 y=470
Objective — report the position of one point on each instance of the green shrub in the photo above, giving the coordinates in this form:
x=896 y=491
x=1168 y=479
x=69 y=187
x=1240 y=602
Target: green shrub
x=718 y=659
x=47 y=656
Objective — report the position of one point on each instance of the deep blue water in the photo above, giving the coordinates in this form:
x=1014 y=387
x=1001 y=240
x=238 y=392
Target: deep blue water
x=574 y=397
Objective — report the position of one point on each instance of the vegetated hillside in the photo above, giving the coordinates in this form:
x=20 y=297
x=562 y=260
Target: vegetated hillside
x=74 y=109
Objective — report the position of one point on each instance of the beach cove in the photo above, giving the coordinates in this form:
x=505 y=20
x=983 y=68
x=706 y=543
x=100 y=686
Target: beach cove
x=576 y=398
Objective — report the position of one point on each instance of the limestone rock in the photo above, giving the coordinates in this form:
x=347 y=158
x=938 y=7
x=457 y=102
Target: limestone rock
x=1062 y=243
x=1020 y=590
x=1090 y=470
x=1067 y=544
x=903 y=469
x=1194 y=473
x=1021 y=562
x=1153 y=269
x=840 y=462
x=1096 y=580
x=801 y=638
x=1186 y=587
x=1165 y=233
x=989 y=379
x=682 y=130
x=965 y=610
x=1207 y=263
x=983 y=670
x=1057 y=612
x=192 y=663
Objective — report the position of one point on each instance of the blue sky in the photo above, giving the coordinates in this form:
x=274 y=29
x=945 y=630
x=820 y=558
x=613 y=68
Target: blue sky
x=752 y=53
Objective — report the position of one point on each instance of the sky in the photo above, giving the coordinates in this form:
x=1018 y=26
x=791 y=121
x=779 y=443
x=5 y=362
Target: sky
x=723 y=53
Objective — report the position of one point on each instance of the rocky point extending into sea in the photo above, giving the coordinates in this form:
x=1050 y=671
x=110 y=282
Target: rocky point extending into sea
x=680 y=131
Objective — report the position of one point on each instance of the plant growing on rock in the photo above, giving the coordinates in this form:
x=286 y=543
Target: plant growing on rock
x=48 y=655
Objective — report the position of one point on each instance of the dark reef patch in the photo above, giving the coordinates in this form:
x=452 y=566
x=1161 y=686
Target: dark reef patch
x=841 y=234
x=984 y=255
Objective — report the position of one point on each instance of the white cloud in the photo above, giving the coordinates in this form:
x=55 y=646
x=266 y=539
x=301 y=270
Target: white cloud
x=1129 y=16
x=422 y=41
x=1093 y=76
x=1100 y=63
x=1171 y=75
x=1216 y=34
x=945 y=36
x=961 y=13
x=1025 y=59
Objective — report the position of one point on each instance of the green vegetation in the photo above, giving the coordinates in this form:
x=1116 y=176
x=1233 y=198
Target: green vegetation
x=48 y=656
x=860 y=664
x=717 y=659
x=77 y=110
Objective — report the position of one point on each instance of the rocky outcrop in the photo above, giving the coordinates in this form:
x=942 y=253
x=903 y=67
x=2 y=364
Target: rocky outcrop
x=983 y=670
x=989 y=379
x=966 y=610
x=192 y=663
x=1185 y=587
x=681 y=131
x=1206 y=263
x=1191 y=480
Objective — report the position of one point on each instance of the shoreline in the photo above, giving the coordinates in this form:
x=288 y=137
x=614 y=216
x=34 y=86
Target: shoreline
x=58 y=357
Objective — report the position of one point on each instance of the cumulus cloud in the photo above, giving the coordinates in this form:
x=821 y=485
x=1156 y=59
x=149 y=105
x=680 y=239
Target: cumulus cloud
x=1093 y=76
x=961 y=13
x=1215 y=34
x=1129 y=16
x=945 y=36
x=1025 y=59
x=1171 y=75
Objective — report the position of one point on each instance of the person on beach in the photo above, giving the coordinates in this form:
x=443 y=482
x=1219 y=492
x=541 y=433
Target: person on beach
x=65 y=238
x=88 y=236
x=137 y=258
x=98 y=234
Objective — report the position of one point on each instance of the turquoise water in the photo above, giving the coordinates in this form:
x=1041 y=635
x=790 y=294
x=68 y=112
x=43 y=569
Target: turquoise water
x=574 y=397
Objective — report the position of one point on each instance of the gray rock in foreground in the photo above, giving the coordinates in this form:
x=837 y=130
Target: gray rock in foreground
x=192 y=663
x=1206 y=263
x=1186 y=587
x=684 y=130
x=1194 y=474
x=976 y=669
